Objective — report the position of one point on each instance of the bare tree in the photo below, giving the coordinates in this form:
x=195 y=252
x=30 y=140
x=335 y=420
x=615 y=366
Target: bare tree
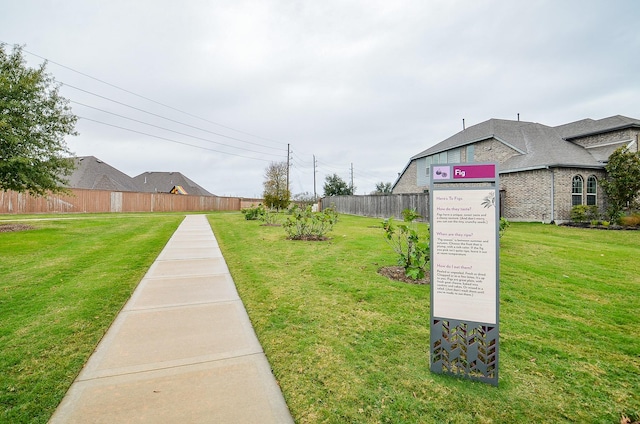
x=276 y=195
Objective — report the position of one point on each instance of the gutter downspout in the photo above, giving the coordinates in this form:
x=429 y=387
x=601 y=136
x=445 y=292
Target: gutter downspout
x=553 y=195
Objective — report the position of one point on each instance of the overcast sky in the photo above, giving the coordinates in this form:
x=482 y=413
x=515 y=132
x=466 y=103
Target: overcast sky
x=357 y=83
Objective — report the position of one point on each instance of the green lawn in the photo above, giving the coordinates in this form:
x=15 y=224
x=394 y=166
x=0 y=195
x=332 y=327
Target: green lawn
x=348 y=345
x=61 y=286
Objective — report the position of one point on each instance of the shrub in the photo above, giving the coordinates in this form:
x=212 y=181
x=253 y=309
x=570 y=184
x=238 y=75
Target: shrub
x=504 y=224
x=578 y=213
x=253 y=213
x=631 y=220
x=304 y=224
x=584 y=213
x=270 y=218
x=405 y=241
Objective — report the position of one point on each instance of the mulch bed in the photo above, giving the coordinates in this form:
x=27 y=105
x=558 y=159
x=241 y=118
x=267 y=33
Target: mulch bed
x=309 y=238
x=10 y=228
x=397 y=273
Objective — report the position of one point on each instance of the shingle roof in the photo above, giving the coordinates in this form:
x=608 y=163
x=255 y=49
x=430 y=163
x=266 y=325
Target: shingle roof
x=92 y=173
x=507 y=131
x=539 y=145
x=587 y=127
x=163 y=182
x=544 y=147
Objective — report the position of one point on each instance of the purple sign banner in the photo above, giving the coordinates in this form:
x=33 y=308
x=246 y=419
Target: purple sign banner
x=473 y=171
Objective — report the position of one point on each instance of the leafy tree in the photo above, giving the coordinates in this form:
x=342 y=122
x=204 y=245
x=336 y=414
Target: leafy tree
x=622 y=185
x=276 y=195
x=34 y=120
x=382 y=188
x=336 y=186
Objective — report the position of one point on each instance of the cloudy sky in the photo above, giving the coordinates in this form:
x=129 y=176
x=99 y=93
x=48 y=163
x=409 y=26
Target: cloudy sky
x=218 y=89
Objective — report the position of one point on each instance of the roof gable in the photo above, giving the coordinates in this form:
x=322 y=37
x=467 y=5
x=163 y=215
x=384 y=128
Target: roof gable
x=505 y=131
x=586 y=127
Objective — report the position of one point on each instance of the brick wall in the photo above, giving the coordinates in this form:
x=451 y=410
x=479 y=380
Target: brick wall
x=492 y=150
x=408 y=181
x=527 y=195
x=628 y=134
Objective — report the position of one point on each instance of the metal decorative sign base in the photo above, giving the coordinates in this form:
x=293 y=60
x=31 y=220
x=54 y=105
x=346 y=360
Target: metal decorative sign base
x=465 y=349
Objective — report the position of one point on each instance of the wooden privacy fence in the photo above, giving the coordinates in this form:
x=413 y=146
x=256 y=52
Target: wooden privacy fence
x=82 y=201
x=380 y=206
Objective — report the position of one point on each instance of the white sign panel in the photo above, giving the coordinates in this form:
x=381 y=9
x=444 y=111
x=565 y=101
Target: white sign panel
x=464 y=255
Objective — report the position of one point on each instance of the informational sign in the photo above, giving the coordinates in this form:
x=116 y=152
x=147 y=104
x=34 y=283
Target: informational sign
x=464 y=252
x=464 y=223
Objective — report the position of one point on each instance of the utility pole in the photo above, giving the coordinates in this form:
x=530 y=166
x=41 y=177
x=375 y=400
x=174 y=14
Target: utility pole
x=315 y=196
x=352 y=178
x=288 y=156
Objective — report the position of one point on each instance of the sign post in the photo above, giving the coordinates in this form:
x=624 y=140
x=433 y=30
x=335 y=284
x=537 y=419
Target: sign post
x=464 y=231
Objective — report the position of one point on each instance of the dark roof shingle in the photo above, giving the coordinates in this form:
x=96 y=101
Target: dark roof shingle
x=94 y=174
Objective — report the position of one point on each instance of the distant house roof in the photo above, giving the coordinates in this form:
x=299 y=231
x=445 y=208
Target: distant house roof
x=539 y=145
x=94 y=174
x=164 y=182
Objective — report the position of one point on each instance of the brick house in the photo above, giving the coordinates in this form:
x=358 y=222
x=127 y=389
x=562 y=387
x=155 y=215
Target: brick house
x=544 y=171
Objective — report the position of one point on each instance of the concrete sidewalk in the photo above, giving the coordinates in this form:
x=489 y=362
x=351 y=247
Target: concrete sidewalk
x=181 y=351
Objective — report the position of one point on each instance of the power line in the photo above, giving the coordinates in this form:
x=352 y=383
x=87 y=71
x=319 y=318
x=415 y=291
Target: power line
x=170 y=130
x=170 y=140
x=149 y=99
x=300 y=165
x=164 y=117
x=301 y=160
x=337 y=168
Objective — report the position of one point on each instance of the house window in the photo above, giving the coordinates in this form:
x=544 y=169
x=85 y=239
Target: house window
x=592 y=191
x=453 y=156
x=576 y=190
x=470 y=152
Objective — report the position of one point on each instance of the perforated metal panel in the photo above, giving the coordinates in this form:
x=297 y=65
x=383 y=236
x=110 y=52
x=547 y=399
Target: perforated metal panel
x=465 y=349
